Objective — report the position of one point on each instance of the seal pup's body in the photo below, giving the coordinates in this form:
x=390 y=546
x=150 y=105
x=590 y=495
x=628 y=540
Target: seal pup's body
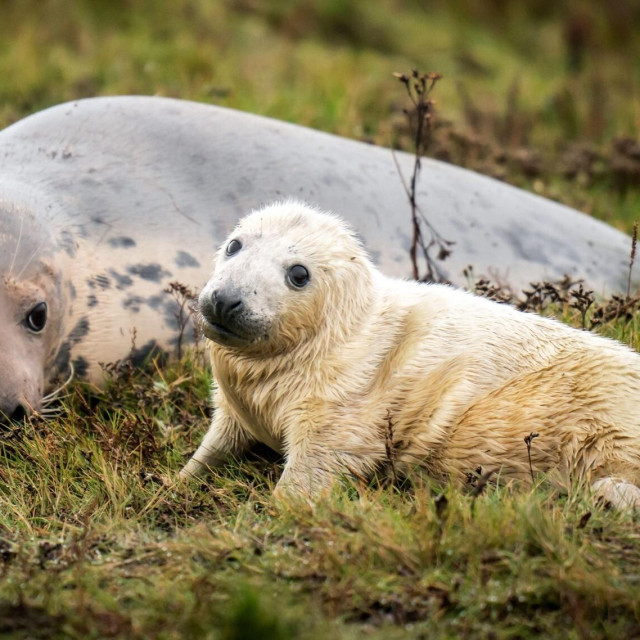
x=318 y=368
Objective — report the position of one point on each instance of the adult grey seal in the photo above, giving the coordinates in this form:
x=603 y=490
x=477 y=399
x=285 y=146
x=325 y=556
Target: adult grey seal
x=105 y=201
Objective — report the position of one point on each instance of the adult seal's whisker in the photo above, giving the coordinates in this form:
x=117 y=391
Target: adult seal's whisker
x=53 y=395
x=49 y=414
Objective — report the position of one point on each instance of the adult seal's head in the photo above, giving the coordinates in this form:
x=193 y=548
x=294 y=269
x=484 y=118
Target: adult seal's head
x=276 y=287
x=32 y=303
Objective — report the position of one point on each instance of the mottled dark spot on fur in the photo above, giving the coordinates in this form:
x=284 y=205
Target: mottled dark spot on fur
x=63 y=357
x=79 y=331
x=171 y=314
x=146 y=352
x=184 y=259
x=230 y=196
x=405 y=240
x=80 y=367
x=72 y=290
x=122 y=242
x=92 y=301
x=102 y=281
x=153 y=271
x=122 y=281
x=133 y=303
x=155 y=301
x=68 y=243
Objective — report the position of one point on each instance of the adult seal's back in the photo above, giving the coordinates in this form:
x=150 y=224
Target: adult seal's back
x=104 y=202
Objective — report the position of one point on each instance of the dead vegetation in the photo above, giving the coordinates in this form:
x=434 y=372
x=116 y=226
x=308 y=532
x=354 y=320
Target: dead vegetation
x=419 y=119
x=498 y=143
x=567 y=298
x=93 y=544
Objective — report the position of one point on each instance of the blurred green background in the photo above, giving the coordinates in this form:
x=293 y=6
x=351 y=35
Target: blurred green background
x=543 y=94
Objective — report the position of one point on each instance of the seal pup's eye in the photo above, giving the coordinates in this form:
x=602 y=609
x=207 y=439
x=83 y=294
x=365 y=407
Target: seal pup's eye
x=233 y=247
x=298 y=276
x=37 y=318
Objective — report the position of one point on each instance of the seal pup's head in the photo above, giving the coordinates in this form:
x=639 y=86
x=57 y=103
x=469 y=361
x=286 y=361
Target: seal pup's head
x=288 y=276
x=31 y=309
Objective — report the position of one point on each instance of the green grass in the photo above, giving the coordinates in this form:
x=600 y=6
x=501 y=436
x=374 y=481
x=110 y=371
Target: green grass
x=94 y=545
x=97 y=539
x=93 y=541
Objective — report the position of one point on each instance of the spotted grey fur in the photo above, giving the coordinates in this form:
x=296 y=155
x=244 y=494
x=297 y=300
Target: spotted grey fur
x=105 y=201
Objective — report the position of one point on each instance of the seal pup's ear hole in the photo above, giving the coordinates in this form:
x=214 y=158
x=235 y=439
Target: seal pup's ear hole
x=233 y=247
x=36 y=319
x=298 y=276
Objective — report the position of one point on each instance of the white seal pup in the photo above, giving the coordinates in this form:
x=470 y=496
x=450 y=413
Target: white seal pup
x=318 y=355
x=104 y=202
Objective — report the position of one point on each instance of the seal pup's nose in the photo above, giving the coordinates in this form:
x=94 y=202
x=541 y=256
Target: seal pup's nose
x=226 y=304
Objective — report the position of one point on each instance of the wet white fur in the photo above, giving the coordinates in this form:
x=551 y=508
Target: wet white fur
x=460 y=379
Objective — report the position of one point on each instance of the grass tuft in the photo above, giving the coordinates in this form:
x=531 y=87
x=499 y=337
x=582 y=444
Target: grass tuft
x=97 y=541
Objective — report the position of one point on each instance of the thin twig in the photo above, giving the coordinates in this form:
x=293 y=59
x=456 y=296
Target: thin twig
x=184 y=297
x=527 y=440
x=482 y=482
x=632 y=257
x=390 y=448
x=419 y=86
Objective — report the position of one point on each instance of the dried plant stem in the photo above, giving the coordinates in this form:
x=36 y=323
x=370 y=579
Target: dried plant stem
x=527 y=440
x=417 y=165
x=419 y=87
x=390 y=449
x=632 y=257
x=184 y=297
x=482 y=482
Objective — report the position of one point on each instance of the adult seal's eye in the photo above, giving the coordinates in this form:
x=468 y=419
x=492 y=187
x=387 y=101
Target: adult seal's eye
x=37 y=318
x=233 y=247
x=298 y=276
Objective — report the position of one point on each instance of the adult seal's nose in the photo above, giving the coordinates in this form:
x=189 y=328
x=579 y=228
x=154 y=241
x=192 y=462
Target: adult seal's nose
x=11 y=412
x=226 y=304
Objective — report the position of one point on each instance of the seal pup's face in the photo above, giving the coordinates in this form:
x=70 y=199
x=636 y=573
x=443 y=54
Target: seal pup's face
x=285 y=274
x=30 y=312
